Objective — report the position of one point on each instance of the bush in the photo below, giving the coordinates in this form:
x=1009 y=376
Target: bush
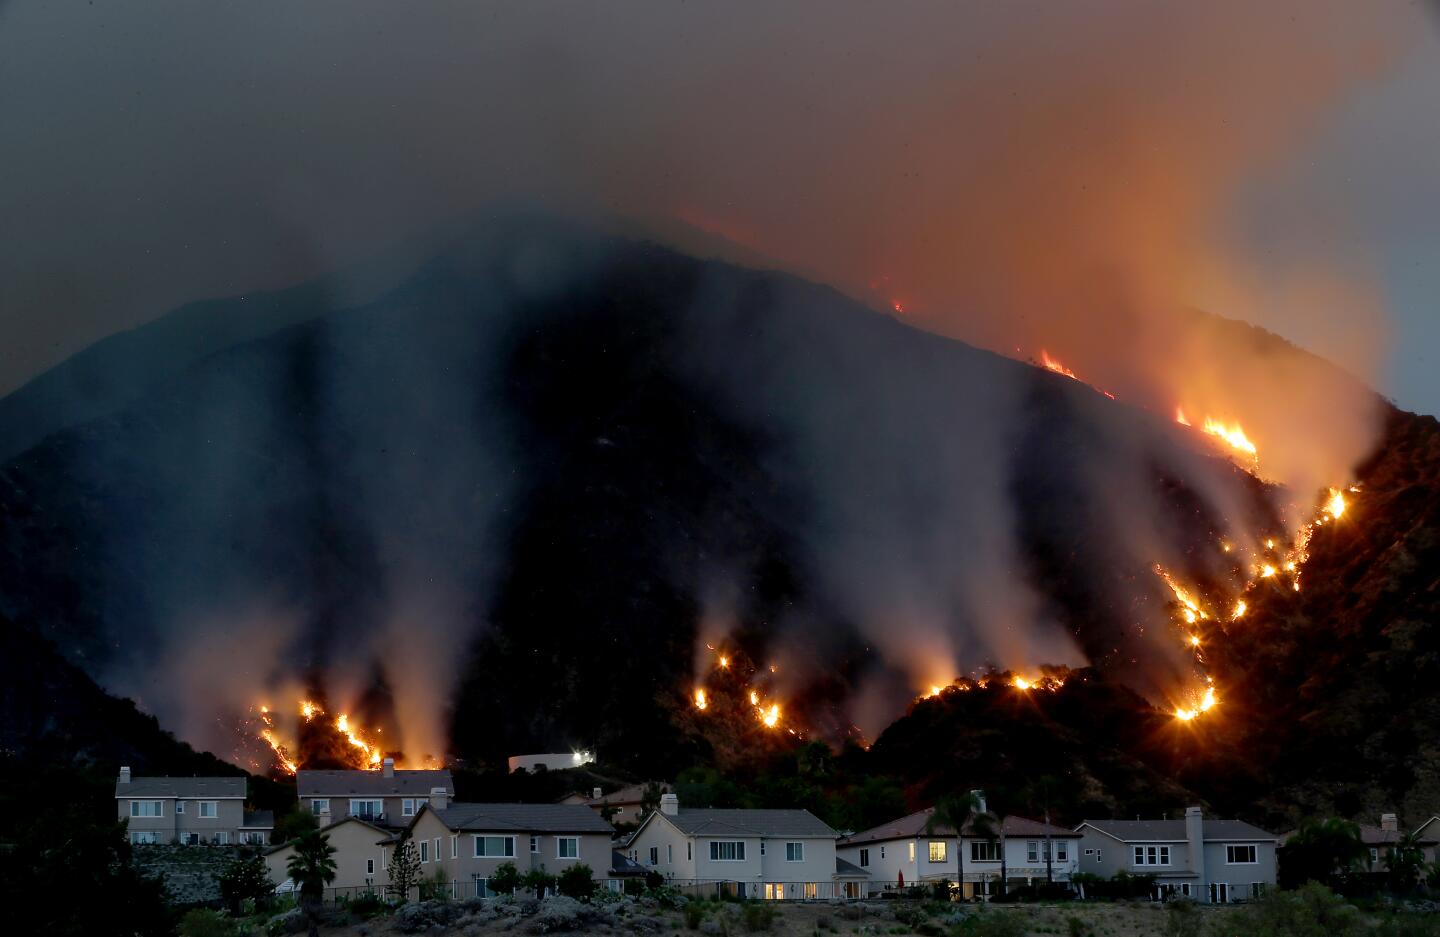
x=694 y=914
x=993 y=924
x=367 y=906
x=202 y=922
x=577 y=882
x=1183 y=919
x=538 y=881
x=1310 y=911
x=758 y=916
x=1076 y=926
x=505 y=879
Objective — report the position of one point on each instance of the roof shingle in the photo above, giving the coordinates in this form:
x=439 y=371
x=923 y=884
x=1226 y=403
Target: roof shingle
x=181 y=787
x=1173 y=831
x=914 y=825
x=711 y=821
x=523 y=818
x=412 y=783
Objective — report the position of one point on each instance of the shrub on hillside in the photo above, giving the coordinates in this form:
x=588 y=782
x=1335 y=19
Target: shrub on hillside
x=1309 y=911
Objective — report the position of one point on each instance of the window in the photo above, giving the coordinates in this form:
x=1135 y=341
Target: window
x=494 y=847
x=253 y=838
x=985 y=852
x=937 y=851
x=1185 y=889
x=669 y=853
x=320 y=805
x=1032 y=851
x=689 y=852
x=454 y=846
x=482 y=888
x=1062 y=851
x=206 y=810
x=424 y=850
x=144 y=837
x=762 y=847
x=222 y=838
x=369 y=866
x=1097 y=855
x=147 y=808
x=1152 y=855
x=654 y=855
x=1089 y=852
x=1374 y=855
x=534 y=844
x=727 y=851
x=367 y=809
x=882 y=852
x=568 y=847
x=812 y=891
x=864 y=858
x=1240 y=855
x=437 y=849
x=794 y=852
x=190 y=839
x=407 y=807
x=912 y=850
x=179 y=807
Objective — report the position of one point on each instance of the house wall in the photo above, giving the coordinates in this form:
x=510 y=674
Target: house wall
x=1240 y=876
x=229 y=816
x=674 y=862
x=885 y=870
x=463 y=866
x=393 y=813
x=355 y=846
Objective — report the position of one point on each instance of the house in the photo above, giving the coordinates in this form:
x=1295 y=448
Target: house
x=913 y=850
x=549 y=761
x=256 y=827
x=757 y=853
x=628 y=802
x=386 y=797
x=464 y=843
x=359 y=857
x=1429 y=835
x=188 y=810
x=1380 y=840
x=1207 y=860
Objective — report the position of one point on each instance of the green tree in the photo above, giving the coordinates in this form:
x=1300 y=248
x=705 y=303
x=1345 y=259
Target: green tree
x=955 y=813
x=1405 y=863
x=650 y=798
x=290 y=826
x=1324 y=851
x=998 y=800
x=538 y=879
x=404 y=871
x=244 y=879
x=577 y=881
x=312 y=867
x=505 y=879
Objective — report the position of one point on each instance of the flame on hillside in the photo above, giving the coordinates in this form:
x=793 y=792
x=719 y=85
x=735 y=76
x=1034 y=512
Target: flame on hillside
x=310 y=735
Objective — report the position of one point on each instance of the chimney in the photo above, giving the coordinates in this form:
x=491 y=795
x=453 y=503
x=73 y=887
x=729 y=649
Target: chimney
x=439 y=798
x=125 y=775
x=980 y=806
x=1389 y=822
x=669 y=804
x=595 y=794
x=389 y=767
x=1195 y=840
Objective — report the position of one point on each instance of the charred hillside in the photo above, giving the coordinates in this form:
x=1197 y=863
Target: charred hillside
x=506 y=504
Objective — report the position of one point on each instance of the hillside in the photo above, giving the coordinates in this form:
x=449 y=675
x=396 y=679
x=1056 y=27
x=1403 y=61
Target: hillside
x=552 y=464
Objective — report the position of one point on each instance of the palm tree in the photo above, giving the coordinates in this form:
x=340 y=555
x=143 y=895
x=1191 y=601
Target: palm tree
x=1405 y=861
x=955 y=813
x=999 y=796
x=312 y=867
x=1042 y=794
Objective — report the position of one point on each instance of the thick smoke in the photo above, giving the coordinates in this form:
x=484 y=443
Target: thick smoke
x=1021 y=176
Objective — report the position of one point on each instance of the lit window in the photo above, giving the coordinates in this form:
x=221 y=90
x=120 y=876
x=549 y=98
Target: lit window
x=938 y=851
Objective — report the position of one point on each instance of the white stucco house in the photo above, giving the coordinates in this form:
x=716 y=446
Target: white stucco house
x=915 y=850
x=774 y=854
x=1206 y=860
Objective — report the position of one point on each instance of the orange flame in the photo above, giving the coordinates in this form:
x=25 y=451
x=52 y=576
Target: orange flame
x=700 y=702
x=1232 y=434
x=770 y=716
x=1052 y=365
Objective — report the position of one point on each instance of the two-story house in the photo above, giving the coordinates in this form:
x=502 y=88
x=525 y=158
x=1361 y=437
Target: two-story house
x=914 y=850
x=628 y=803
x=1207 y=860
x=385 y=797
x=1380 y=840
x=359 y=857
x=1429 y=835
x=465 y=843
x=754 y=853
x=188 y=810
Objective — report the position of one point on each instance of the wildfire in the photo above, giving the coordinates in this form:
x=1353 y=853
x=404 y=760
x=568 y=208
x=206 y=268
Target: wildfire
x=267 y=734
x=724 y=662
x=352 y=735
x=700 y=702
x=1239 y=612
x=1336 y=505
x=754 y=698
x=770 y=716
x=1232 y=435
x=1207 y=702
x=1052 y=365
x=1180 y=417
x=310 y=710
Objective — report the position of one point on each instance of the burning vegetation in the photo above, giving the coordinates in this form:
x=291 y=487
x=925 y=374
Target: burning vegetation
x=309 y=736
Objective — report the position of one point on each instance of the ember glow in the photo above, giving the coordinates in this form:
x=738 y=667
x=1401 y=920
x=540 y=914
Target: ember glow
x=770 y=716
x=700 y=701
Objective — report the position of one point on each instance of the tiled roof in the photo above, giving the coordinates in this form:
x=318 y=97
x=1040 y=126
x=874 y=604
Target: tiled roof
x=416 y=783
x=710 y=821
x=1173 y=831
x=182 y=787
x=523 y=818
x=914 y=825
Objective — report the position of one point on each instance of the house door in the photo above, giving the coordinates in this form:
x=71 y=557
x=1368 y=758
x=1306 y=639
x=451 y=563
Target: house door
x=1220 y=892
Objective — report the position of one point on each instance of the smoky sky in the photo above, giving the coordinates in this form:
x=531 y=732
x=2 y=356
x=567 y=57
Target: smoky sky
x=1017 y=175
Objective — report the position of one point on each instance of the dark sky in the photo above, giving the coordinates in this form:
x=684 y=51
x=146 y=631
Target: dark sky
x=1271 y=162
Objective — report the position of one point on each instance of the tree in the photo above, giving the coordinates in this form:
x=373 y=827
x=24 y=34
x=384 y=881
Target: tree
x=1042 y=794
x=577 y=881
x=650 y=798
x=291 y=825
x=404 y=868
x=245 y=878
x=1405 y=862
x=1324 y=851
x=998 y=799
x=538 y=879
x=956 y=813
x=505 y=879
x=312 y=867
